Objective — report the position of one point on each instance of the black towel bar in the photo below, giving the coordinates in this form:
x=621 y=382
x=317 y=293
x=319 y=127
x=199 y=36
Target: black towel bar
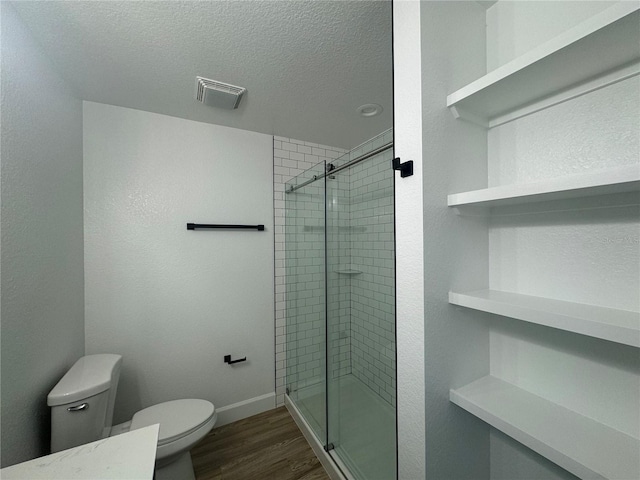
x=195 y=226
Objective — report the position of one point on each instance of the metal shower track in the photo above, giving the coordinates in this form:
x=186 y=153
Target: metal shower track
x=342 y=167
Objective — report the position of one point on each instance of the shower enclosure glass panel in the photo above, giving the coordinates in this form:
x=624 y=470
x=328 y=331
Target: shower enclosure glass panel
x=361 y=313
x=340 y=294
x=305 y=289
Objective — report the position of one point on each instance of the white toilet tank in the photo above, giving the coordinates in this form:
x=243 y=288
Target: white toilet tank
x=82 y=401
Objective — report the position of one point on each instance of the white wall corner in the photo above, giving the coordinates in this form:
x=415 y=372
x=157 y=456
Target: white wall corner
x=409 y=241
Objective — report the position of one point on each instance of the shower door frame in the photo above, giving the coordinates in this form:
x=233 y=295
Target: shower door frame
x=331 y=430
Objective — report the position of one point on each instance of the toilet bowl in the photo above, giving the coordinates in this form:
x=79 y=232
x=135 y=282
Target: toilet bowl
x=82 y=411
x=183 y=423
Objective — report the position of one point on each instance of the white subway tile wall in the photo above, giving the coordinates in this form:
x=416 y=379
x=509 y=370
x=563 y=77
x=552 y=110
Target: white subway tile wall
x=373 y=347
x=291 y=158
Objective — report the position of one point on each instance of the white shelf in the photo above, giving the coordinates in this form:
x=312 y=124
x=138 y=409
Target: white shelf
x=349 y=271
x=595 y=53
x=613 y=180
x=582 y=446
x=620 y=326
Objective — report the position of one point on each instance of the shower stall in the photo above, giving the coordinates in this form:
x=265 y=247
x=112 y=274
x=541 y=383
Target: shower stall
x=340 y=307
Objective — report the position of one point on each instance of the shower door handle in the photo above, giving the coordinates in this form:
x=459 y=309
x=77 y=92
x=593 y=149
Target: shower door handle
x=406 y=168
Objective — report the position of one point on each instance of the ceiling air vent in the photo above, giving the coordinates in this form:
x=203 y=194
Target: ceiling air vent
x=218 y=94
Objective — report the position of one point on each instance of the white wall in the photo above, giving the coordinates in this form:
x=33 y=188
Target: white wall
x=455 y=248
x=515 y=27
x=410 y=307
x=42 y=277
x=565 y=255
x=173 y=302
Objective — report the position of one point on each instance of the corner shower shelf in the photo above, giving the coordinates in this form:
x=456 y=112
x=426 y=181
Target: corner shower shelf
x=584 y=447
x=612 y=180
x=596 y=53
x=620 y=326
x=349 y=271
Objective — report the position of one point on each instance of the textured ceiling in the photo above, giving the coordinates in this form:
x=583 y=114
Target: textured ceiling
x=307 y=65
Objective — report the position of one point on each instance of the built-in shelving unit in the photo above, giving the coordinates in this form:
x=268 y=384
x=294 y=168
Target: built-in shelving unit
x=614 y=180
x=527 y=251
x=620 y=326
x=592 y=55
x=582 y=446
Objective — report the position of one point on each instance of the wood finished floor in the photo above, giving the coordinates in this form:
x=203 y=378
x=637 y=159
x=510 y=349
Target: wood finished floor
x=265 y=446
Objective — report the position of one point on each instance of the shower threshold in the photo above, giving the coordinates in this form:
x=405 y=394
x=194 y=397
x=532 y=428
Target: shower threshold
x=366 y=437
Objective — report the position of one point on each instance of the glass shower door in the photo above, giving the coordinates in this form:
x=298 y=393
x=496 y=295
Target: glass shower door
x=361 y=343
x=305 y=298
x=340 y=307
x=339 y=273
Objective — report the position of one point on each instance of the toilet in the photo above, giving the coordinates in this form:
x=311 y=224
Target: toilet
x=82 y=411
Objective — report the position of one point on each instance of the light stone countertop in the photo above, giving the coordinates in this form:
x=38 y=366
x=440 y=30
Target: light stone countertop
x=128 y=456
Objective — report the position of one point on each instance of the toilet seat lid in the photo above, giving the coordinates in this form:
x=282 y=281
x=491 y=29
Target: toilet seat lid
x=177 y=418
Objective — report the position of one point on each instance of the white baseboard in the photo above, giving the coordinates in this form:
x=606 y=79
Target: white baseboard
x=245 y=408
